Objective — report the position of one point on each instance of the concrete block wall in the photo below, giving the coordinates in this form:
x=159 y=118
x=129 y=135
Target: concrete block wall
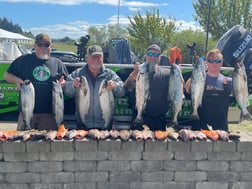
x=112 y=164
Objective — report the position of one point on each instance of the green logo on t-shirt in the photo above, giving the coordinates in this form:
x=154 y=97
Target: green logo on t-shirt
x=41 y=73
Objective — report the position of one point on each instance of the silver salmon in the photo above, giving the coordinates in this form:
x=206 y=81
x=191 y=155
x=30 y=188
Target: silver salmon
x=142 y=91
x=58 y=102
x=107 y=103
x=197 y=86
x=240 y=90
x=82 y=98
x=176 y=93
x=27 y=94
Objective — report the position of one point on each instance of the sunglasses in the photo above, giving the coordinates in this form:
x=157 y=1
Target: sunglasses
x=153 y=54
x=211 y=61
x=43 y=44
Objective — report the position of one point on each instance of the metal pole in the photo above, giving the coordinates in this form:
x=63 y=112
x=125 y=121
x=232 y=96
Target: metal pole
x=118 y=12
x=208 y=23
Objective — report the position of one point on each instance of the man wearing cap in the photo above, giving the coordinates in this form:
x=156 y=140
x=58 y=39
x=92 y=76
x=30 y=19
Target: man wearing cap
x=94 y=72
x=157 y=105
x=41 y=70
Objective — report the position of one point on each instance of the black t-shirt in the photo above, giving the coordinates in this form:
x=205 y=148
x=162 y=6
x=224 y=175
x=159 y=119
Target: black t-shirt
x=41 y=73
x=158 y=103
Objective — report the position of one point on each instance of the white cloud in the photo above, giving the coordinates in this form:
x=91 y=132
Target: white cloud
x=102 y=2
x=182 y=25
x=75 y=30
x=72 y=30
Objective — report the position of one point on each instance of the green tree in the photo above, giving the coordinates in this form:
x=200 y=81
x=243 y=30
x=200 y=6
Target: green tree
x=224 y=14
x=102 y=34
x=9 y=26
x=148 y=29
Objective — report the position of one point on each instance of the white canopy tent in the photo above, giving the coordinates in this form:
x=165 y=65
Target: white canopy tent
x=9 y=51
x=6 y=36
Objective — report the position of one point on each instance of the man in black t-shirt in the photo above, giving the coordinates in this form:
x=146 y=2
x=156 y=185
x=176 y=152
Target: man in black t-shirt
x=41 y=70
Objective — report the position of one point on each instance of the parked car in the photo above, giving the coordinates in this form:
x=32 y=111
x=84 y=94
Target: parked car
x=65 y=56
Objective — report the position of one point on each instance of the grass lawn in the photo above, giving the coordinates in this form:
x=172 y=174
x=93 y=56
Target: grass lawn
x=242 y=126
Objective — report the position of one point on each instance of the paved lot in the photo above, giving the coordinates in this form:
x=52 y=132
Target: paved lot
x=8 y=125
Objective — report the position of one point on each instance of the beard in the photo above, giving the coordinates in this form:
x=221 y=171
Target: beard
x=153 y=67
x=43 y=56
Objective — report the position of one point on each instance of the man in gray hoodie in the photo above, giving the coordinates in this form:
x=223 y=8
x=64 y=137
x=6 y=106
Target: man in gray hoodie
x=95 y=73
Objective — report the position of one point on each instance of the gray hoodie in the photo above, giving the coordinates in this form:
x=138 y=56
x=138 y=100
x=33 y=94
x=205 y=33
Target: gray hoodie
x=94 y=117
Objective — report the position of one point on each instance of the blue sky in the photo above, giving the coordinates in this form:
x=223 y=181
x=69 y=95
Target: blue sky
x=71 y=18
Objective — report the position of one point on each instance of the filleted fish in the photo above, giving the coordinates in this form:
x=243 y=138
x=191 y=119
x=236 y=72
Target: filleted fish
x=223 y=135
x=200 y=136
x=125 y=134
x=71 y=134
x=240 y=90
x=172 y=133
x=176 y=93
x=97 y=134
x=186 y=135
x=197 y=86
x=211 y=134
x=107 y=103
x=160 y=135
x=51 y=135
x=27 y=97
x=142 y=90
x=61 y=132
x=58 y=102
x=114 y=133
x=82 y=99
x=80 y=134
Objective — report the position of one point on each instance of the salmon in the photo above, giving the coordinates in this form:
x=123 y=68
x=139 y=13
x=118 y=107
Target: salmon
x=161 y=135
x=172 y=134
x=240 y=90
x=71 y=134
x=233 y=135
x=223 y=135
x=125 y=134
x=61 y=132
x=186 y=135
x=27 y=101
x=5 y=135
x=212 y=134
x=147 y=133
x=175 y=94
x=97 y=134
x=200 y=135
x=82 y=100
x=138 y=135
x=51 y=135
x=38 y=135
x=58 y=102
x=197 y=86
x=27 y=134
x=142 y=91
x=80 y=134
x=107 y=103
x=114 y=133
x=17 y=136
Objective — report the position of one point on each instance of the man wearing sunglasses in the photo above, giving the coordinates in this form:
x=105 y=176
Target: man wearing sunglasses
x=157 y=103
x=41 y=70
x=215 y=101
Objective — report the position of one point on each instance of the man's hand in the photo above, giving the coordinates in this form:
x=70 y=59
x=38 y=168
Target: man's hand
x=62 y=81
x=111 y=85
x=76 y=82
